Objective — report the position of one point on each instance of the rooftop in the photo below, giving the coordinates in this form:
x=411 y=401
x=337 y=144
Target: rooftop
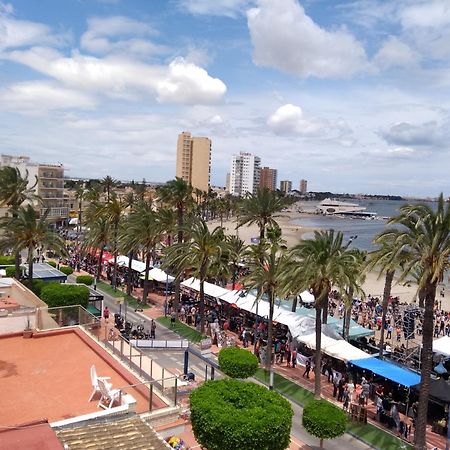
x=48 y=376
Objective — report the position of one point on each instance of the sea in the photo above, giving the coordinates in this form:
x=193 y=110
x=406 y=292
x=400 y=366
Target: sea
x=364 y=229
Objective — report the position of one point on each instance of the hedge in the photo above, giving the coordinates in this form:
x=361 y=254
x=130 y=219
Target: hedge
x=237 y=362
x=85 y=279
x=231 y=414
x=57 y=294
x=7 y=260
x=35 y=286
x=67 y=270
x=324 y=420
x=11 y=271
x=52 y=263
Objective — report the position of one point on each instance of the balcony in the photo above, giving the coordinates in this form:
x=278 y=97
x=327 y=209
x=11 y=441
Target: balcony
x=56 y=213
x=58 y=175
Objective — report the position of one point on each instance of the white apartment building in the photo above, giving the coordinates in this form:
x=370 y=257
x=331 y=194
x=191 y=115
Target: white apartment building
x=50 y=184
x=244 y=174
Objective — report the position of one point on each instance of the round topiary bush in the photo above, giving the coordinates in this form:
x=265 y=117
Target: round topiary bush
x=66 y=270
x=85 y=279
x=231 y=414
x=237 y=362
x=324 y=420
x=56 y=294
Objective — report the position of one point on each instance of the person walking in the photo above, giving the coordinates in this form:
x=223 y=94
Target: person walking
x=106 y=313
x=294 y=358
x=153 y=329
x=307 y=369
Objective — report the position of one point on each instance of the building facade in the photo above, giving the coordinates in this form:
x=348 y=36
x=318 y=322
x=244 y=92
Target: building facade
x=268 y=178
x=49 y=186
x=285 y=186
x=194 y=160
x=303 y=186
x=244 y=174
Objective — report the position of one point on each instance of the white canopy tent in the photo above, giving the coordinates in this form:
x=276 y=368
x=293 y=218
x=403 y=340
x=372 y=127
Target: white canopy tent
x=158 y=275
x=307 y=297
x=442 y=345
x=210 y=289
x=122 y=260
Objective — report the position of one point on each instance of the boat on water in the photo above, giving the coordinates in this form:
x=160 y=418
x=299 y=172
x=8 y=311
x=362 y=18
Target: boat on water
x=339 y=208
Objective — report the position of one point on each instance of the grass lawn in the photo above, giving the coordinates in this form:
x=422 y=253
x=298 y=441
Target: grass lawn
x=368 y=433
x=180 y=328
x=108 y=289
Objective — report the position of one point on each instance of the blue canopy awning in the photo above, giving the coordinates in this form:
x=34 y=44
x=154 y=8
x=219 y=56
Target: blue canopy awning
x=388 y=370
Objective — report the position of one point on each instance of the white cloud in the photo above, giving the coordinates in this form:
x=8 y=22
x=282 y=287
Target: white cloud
x=395 y=53
x=409 y=134
x=401 y=151
x=286 y=38
x=230 y=8
x=119 y=34
x=426 y=13
x=36 y=97
x=290 y=120
x=120 y=77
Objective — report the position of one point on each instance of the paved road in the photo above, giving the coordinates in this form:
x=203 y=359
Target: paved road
x=175 y=359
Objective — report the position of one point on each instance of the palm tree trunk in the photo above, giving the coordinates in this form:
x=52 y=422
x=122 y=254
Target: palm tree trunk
x=99 y=266
x=202 y=305
x=318 y=356
x=386 y=294
x=347 y=318
x=176 y=300
x=325 y=311
x=294 y=303
x=130 y=274
x=270 y=339
x=426 y=366
x=114 y=280
x=147 y=270
x=30 y=264
x=17 y=265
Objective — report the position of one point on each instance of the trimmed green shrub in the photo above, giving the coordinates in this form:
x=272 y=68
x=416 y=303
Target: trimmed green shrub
x=324 y=420
x=66 y=270
x=231 y=414
x=51 y=263
x=237 y=362
x=7 y=260
x=85 y=279
x=57 y=294
x=35 y=286
x=10 y=271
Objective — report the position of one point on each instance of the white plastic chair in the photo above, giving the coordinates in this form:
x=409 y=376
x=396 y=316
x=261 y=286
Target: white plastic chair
x=94 y=382
x=109 y=396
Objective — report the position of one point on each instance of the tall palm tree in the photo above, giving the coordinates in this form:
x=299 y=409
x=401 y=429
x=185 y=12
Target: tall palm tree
x=15 y=189
x=168 y=223
x=80 y=192
x=29 y=231
x=262 y=209
x=114 y=211
x=424 y=236
x=387 y=258
x=177 y=193
x=202 y=252
x=108 y=184
x=98 y=236
x=142 y=230
x=319 y=264
x=267 y=276
x=237 y=249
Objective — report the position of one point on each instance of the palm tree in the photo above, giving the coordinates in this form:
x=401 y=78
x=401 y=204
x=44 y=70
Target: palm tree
x=80 y=192
x=319 y=264
x=267 y=276
x=261 y=208
x=26 y=230
x=168 y=223
x=97 y=237
x=114 y=211
x=387 y=258
x=178 y=194
x=142 y=231
x=424 y=237
x=237 y=249
x=108 y=183
x=199 y=254
x=14 y=191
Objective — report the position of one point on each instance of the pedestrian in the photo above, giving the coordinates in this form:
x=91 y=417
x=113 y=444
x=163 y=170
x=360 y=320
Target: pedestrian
x=389 y=332
x=173 y=318
x=288 y=358
x=106 y=313
x=341 y=387
x=307 y=369
x=153 y=329
x=346 y=399
x=335 y=383
x=294 y=358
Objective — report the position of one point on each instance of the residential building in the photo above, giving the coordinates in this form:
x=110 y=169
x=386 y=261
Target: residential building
x=244 y=174
x=49 y=186
x=303 y=186
x=268 y=178
x=285 y=186
x=194 y=160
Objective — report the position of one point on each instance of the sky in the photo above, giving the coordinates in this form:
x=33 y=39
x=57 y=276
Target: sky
x=352 y=95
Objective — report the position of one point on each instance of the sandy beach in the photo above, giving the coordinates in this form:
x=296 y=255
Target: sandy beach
x=292 y=234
